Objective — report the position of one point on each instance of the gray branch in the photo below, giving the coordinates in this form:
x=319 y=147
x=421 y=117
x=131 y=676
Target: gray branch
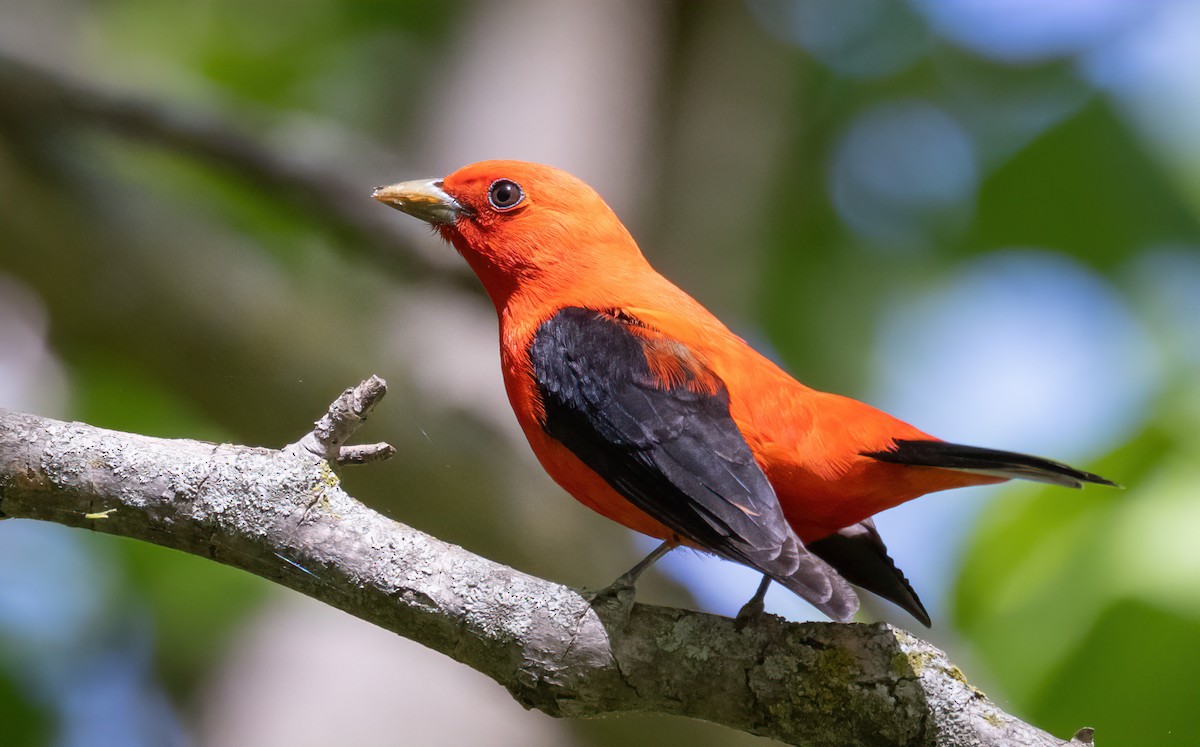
x=283 y=515
x=50 y=100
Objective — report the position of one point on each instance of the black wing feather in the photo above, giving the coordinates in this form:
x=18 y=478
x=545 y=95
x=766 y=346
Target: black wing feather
x=671 y=449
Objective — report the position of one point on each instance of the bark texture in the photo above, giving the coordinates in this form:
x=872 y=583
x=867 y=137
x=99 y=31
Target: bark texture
x=283 y=515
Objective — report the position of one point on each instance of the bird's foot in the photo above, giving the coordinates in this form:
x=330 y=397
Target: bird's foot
x=615 y=600
x=754 y=610
x=750 y=613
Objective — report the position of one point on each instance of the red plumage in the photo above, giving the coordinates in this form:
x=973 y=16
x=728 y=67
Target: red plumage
x=630 y=391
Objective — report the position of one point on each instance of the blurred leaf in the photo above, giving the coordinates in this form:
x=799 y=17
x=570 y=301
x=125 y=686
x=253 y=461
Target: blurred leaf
x=1153 y=652
x=285 y=231
x=115 y=393
x=22 y=723
x=1085 y=188
x=1082 y=599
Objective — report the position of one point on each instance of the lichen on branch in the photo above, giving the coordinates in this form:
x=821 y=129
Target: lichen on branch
x=283 y=515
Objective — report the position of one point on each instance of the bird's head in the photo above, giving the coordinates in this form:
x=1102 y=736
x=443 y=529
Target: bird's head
x=519 y=224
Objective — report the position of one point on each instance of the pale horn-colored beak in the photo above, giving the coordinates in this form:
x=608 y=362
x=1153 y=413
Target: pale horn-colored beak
x=421 y=198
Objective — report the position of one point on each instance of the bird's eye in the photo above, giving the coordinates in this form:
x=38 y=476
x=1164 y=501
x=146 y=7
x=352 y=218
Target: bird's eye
x=505 y=194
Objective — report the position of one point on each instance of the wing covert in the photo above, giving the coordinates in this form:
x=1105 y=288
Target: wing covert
x=644 y=413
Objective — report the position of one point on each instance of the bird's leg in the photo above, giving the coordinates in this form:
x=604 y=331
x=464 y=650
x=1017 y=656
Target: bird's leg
x=620 y=592
x=753 y=609
x=630 y=577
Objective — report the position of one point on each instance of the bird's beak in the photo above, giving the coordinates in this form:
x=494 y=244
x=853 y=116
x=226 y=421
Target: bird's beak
x=422 y=198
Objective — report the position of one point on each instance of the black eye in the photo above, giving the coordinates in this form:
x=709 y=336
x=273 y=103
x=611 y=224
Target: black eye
x=505 y=194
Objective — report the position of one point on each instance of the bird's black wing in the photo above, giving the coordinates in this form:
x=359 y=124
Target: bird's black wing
x=642 y=412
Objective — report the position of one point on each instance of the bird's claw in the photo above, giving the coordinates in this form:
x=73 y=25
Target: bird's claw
x=750 y=613
x=616 y=600
x=755 y=609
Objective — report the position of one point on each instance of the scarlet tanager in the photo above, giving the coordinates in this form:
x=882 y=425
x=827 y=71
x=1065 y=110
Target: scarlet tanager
x=647 y=409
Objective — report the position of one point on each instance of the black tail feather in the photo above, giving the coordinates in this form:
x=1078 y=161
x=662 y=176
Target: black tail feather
x=1007 y=464
x=859 y=555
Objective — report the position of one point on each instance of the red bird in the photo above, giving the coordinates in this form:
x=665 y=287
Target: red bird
x=647 y=409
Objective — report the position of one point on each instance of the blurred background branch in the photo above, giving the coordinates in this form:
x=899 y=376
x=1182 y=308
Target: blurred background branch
x=35 y=97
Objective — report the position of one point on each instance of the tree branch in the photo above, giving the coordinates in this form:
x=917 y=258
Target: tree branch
x=283 y=515
x=33 y=92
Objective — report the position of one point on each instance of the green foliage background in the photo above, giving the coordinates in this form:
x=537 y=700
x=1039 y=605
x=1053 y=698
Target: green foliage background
x=179 y=294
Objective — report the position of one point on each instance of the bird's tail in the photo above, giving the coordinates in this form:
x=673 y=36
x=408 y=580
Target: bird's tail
x=990 y=462
x=858 y=554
